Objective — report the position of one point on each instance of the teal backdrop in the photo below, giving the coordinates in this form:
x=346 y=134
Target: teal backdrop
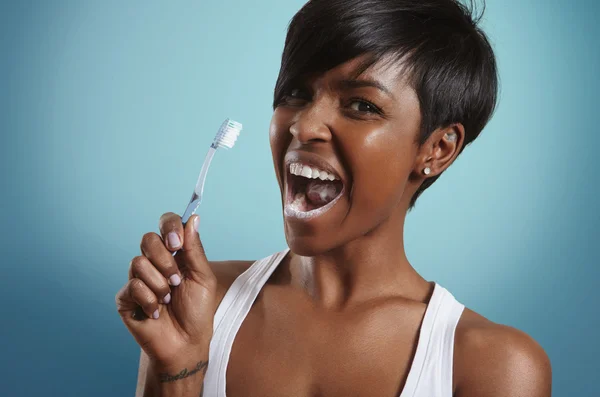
x=108 y=107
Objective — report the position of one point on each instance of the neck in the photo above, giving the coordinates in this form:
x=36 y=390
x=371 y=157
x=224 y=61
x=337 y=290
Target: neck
x=371 y=267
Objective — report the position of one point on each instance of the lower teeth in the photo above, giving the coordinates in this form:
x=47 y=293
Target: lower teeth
x=299 y=203
x=299 y=200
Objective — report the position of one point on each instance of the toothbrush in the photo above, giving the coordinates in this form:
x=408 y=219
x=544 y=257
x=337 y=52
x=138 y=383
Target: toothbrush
x=225 y=138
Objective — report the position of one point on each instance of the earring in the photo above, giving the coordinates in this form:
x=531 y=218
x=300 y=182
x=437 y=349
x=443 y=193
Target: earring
x=451 y=136
x=427 y=171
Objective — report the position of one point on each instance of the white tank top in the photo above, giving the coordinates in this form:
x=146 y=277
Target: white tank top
x=430 y=374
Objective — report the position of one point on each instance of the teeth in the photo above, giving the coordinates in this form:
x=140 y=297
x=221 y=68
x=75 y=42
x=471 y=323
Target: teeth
x=306 y=172
x=310 y=172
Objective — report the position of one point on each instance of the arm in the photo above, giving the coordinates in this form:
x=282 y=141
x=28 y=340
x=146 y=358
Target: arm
x=141 y=380
x=180 y=382
x=497 y=361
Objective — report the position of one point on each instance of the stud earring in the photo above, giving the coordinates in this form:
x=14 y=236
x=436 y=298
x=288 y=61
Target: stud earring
x=427 y=171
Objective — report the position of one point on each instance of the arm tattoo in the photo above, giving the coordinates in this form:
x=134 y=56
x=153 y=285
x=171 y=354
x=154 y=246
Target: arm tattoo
x=201 y=366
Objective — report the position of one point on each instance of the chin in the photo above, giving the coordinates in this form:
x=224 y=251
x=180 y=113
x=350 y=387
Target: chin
x=317 y=234
x=310 y=245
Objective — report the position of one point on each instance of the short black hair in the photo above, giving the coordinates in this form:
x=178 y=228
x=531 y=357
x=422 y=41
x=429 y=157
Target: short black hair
x=450 y=60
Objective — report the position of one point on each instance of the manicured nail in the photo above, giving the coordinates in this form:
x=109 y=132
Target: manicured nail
x=173 y=240
x=155 y=314
x=196 y=222
x=167 y=298
x=174 y=280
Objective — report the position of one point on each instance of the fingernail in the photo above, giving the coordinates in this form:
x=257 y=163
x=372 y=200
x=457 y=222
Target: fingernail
x=173 y=240
x=167 y=298
x=155 y=314
x=196 y=222
x=175 y=280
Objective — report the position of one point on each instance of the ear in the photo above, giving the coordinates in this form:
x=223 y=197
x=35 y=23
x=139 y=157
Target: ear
x=440 y=150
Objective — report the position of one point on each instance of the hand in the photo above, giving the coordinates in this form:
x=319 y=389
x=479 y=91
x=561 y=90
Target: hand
x=169 y=302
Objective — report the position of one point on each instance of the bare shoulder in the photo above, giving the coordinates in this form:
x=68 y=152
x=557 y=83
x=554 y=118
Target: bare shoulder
x=497 y=360
x=226 y=272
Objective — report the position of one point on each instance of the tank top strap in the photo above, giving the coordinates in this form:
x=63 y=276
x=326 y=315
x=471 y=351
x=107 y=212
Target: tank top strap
x=452 y=310
x=229 y=316
x=431 y=371
x=247 y=286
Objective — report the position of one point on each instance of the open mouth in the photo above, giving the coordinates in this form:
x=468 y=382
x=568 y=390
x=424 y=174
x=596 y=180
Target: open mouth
x=311 y=190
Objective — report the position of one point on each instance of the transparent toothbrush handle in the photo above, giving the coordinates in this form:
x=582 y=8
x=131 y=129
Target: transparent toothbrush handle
x=191 y=208
x=197 y=194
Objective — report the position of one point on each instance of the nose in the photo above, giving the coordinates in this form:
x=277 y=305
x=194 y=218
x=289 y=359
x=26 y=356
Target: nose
x=311 y=126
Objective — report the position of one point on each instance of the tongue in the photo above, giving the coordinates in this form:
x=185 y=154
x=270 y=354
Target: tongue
x=321 y=192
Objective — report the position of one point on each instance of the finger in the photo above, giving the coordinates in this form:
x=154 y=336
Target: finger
x=137 y=294
x=195 y=257
x=154 y=249
x=171 y=230
x=144 y=330
x=141 y=267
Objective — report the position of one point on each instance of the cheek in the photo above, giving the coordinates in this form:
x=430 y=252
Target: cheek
x=279 y=129
x=382 y=166
x=273 y=132
x=279 y=138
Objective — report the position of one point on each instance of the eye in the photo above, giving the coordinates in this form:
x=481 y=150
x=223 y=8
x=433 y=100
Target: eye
x=295 y=97
x=297 y=93
x=363 y=106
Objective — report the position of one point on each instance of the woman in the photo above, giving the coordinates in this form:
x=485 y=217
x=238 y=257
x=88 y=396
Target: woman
x=375 y=99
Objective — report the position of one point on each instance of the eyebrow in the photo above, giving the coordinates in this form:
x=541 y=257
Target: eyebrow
x=352 y=83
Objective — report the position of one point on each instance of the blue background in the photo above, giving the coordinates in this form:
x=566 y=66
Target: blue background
x=107 y=109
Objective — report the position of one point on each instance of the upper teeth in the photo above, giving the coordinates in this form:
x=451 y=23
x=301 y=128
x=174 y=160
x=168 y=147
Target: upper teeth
x=311 y=172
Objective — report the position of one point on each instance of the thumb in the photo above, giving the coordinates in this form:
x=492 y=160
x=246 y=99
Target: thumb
x=193 y=253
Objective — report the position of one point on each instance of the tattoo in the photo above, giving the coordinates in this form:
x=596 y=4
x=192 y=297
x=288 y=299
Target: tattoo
x=202 y=390
x=201 y=366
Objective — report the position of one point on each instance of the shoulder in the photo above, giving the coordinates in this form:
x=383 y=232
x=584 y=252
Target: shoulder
x=226 y=272
x=496 y=360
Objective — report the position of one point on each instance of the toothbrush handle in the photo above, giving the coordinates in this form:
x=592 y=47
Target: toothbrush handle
x=197 y=194
x=191 y=208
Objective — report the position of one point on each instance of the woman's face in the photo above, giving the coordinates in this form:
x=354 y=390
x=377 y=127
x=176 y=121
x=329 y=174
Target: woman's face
x=359 y=131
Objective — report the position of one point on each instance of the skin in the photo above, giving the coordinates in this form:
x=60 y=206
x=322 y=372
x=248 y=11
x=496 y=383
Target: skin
x=341 y=314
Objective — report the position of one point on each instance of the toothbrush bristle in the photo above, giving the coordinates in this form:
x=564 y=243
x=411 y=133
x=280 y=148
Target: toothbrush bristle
x=227 y=134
